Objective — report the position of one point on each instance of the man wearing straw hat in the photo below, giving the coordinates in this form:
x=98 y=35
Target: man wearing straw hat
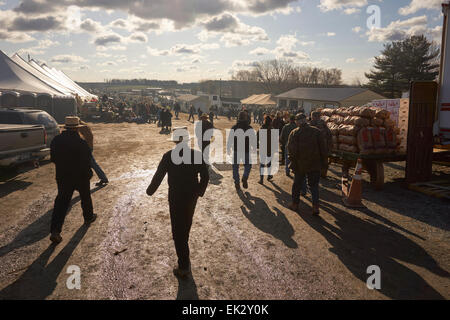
x=184 y=190
x=72 y=158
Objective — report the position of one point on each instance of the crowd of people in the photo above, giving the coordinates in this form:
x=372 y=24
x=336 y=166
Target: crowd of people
x=304 y=146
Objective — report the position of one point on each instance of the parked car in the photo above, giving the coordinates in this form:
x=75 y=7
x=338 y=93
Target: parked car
x=31 y=116
x=22 y=143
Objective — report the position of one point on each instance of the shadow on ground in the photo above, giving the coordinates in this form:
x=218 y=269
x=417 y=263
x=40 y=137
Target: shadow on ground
x=187 y=289
x=37 y=230
x=273 y=222
x=39 y=280
x=360 y=243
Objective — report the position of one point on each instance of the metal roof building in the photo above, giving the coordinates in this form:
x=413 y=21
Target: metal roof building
x=312 y=98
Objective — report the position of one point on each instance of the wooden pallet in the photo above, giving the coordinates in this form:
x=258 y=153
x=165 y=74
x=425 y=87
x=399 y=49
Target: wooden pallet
x=438 y=189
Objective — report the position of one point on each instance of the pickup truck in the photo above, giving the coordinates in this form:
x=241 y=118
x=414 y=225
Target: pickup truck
x=31 y=116
x=22 y=143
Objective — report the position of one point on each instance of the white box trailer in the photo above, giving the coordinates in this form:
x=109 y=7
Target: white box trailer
x=441 y=128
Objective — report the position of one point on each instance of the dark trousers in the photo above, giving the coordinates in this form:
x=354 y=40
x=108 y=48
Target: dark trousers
x=313 y=182
x=62 y=202
x=191 y=115
x=181 y=214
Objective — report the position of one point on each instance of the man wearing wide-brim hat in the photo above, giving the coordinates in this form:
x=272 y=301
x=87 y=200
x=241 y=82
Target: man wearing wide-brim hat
x=72 y=157
x=184 y=190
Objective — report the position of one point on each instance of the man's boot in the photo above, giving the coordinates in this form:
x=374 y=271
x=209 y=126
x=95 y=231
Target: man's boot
x=316 y=210
x=245 y=183
x=293 y=206
x=261 y=179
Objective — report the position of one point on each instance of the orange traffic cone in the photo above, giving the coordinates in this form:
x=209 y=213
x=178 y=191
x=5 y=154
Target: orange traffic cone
x=352 y=194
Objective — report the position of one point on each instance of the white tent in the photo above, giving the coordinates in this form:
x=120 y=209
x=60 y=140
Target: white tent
x=67 y=82
x=51 y=82
x=43 y=69
x=64 y=76
x=15 y=78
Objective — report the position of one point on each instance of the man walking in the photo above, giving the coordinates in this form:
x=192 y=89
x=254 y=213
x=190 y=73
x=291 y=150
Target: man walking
x=242 y=124
x=86 y=133
x=72 y=157
x=307 y=153
x=184 y=190
x=191 y=113
x=284 y=136
x=326 y=134
x=200 y=134
x=176 y=108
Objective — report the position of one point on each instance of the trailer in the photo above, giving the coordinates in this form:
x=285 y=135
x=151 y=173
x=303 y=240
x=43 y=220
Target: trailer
x=373 y=164
x=441 y=128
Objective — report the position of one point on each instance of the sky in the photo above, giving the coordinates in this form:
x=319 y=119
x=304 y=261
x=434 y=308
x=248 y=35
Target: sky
x=194 y=40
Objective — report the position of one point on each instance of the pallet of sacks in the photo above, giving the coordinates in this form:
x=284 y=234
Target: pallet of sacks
x=363 y=130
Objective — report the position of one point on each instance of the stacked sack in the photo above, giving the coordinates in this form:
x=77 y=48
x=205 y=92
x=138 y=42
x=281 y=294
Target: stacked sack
x=364 y=130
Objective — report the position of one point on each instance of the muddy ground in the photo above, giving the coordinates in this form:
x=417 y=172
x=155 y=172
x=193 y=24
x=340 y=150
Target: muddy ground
x=245 y=245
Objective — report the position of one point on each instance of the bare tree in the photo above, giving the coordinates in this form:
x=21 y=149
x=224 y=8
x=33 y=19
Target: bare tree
x=282 y=75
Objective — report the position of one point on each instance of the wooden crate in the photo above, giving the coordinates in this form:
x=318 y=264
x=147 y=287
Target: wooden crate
x=403 y=115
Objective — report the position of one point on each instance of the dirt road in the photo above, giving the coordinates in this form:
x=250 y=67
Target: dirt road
x=244 y=245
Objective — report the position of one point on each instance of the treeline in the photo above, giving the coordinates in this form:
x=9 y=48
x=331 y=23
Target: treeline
x=145 y=82
x=278 y=76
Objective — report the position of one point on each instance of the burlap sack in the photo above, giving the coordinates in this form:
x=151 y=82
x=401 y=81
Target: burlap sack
x=348 y=148
x=350 y=140
x=364 y=141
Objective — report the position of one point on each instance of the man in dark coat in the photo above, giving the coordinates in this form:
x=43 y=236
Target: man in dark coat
x=200 y=134
x=284 y=136
x=307 y=153
x=191 y=113
x=326 y=133
x=243 y=124
x=184 y=190
x=177 y=109
x=72 y=157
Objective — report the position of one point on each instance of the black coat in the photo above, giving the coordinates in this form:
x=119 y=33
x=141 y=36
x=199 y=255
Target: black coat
x=72 y=157
x=182 y=178
x=244 y=125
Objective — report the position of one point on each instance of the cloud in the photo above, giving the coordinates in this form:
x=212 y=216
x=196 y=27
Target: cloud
x=399 y=29
x=157 y=52
x=357 y=29
x=350 y=11
x=417 y=5
x=67 y=58
x=244 y=64
x=348 y=5
x=260 y=51
x=15 y=37
x=182 y=13
x=350 y=60
x=104 y=40
x=34 y=24
x=138 y=37
x=107 y=63
x=39 y=49
x=234 y=32
x=90 y=25
x=223 y=23
x=286 y=49
x=331 y=34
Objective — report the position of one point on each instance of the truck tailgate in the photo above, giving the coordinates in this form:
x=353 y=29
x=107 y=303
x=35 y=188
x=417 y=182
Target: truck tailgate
x=20 y=138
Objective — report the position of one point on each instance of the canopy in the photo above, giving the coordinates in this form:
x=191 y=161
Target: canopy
x=51 y=82
x=259 y=99
x=14 y=78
